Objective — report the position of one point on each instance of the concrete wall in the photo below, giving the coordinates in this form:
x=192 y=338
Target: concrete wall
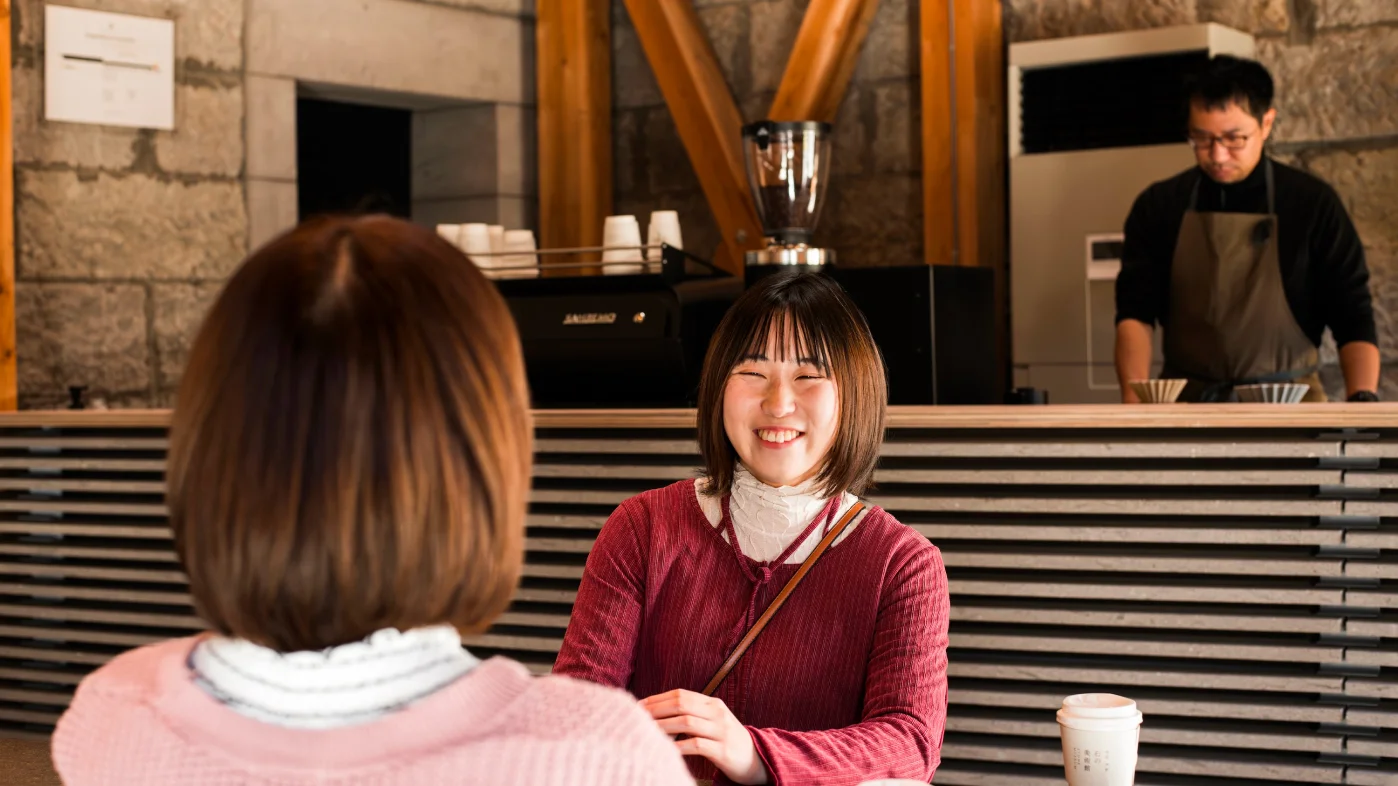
x=125 y=236
x=492 y=180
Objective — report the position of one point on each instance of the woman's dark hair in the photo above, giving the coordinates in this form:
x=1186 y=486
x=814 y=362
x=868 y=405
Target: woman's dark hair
x=351 y=443
x=1225 y=80
x=813 y=317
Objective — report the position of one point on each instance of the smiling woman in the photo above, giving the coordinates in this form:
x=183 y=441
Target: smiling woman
x=849 y=678
x=776 y=373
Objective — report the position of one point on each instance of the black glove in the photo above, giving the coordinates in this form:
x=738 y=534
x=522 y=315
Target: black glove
x=1364 y=395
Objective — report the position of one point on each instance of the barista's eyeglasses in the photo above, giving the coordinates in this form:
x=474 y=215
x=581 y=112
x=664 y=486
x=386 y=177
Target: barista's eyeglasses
x=1202 y=142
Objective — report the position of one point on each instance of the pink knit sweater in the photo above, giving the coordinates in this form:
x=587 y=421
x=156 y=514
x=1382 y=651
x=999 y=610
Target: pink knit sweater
x=141 y=720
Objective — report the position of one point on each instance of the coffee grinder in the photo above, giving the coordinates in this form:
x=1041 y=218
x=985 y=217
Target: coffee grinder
x=788 y=167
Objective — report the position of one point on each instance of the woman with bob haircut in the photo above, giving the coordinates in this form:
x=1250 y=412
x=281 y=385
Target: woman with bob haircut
x=847 y=681
x=348 y=468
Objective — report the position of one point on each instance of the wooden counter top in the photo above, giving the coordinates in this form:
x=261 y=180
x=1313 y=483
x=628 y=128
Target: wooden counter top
x=1088 y=416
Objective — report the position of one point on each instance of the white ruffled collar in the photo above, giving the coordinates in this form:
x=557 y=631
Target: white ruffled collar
x=337 y=686
x=768 y=518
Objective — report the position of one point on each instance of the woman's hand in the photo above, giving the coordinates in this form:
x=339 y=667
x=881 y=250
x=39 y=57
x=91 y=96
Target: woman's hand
x=710 y=730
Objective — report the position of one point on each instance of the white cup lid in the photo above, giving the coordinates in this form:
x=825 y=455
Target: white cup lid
x=1099 y=705
x=1099 y=712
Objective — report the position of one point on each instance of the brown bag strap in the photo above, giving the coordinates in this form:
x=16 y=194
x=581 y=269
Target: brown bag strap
x=791 y=584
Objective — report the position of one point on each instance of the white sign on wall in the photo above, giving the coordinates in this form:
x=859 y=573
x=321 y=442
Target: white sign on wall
x=112 y=69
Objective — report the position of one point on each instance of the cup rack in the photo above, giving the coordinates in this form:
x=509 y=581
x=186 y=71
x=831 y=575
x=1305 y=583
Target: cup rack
x=674 y=263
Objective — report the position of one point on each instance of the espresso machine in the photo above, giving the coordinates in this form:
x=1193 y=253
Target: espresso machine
x=934 y=324
x=788 y=168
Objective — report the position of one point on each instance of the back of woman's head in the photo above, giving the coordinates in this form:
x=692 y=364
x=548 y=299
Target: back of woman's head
x=351 y=444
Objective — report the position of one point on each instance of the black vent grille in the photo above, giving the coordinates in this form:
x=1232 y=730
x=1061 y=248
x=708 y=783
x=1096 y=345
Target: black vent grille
x=1111 y=103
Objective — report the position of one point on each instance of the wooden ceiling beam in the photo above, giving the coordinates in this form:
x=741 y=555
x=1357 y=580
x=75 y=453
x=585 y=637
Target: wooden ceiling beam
x=708 y=120
x=822 y=60
x=574 y=122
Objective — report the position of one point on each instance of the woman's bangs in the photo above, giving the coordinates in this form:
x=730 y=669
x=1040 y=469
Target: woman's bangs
x=804 y=339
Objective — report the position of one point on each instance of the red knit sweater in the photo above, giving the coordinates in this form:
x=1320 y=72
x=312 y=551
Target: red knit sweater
x=846 y=684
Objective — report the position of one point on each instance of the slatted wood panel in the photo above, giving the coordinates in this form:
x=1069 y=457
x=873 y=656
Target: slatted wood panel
x=1242 y=585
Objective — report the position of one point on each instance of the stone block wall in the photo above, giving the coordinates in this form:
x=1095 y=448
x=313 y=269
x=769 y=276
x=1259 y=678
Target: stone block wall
x=1336 y=67
x=123 y=234
x=875 y=214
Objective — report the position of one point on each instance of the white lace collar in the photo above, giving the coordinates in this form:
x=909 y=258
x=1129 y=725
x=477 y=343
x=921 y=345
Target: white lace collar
x=767 y=519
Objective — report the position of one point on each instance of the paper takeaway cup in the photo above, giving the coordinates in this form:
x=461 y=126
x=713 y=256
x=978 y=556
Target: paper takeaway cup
x=1100 y=734
x=475 y=239
x=621 y=237
x=518 y=259
x=664 y=228
x=450 y=233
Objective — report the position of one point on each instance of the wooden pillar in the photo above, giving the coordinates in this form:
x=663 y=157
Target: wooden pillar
x=823 y=60
x=9 y=379
x=963 y=132
x=708 y=121
x=964 y=144
x=938 y=134
x=979 y=66
x=979 y=89
x=575 y=122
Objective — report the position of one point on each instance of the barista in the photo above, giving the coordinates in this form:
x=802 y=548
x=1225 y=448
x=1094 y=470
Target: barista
x=1243 y=261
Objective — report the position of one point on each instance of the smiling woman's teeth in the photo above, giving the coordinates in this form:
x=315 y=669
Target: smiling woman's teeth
x=778 y=435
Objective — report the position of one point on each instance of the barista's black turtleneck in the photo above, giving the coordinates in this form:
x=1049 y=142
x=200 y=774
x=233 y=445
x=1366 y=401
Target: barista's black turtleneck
x=1321 y=256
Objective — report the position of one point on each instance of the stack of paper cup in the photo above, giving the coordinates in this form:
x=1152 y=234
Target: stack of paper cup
x=475 y=239
x=450 y=233
x=519 y=259
x=1100 y=734
x=664 y=228
x=621 y=237
x=497 y=238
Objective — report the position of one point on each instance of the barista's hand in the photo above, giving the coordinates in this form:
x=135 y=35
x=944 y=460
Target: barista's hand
x=710 y=730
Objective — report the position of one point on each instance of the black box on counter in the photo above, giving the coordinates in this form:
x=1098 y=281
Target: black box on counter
x=617 y=341
x=935 y=325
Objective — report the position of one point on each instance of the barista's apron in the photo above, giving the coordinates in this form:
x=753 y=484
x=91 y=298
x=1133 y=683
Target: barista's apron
x=1229 y=322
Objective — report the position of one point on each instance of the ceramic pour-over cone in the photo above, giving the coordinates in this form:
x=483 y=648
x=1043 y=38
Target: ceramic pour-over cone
x=1280 y=393
x=1159 y=391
